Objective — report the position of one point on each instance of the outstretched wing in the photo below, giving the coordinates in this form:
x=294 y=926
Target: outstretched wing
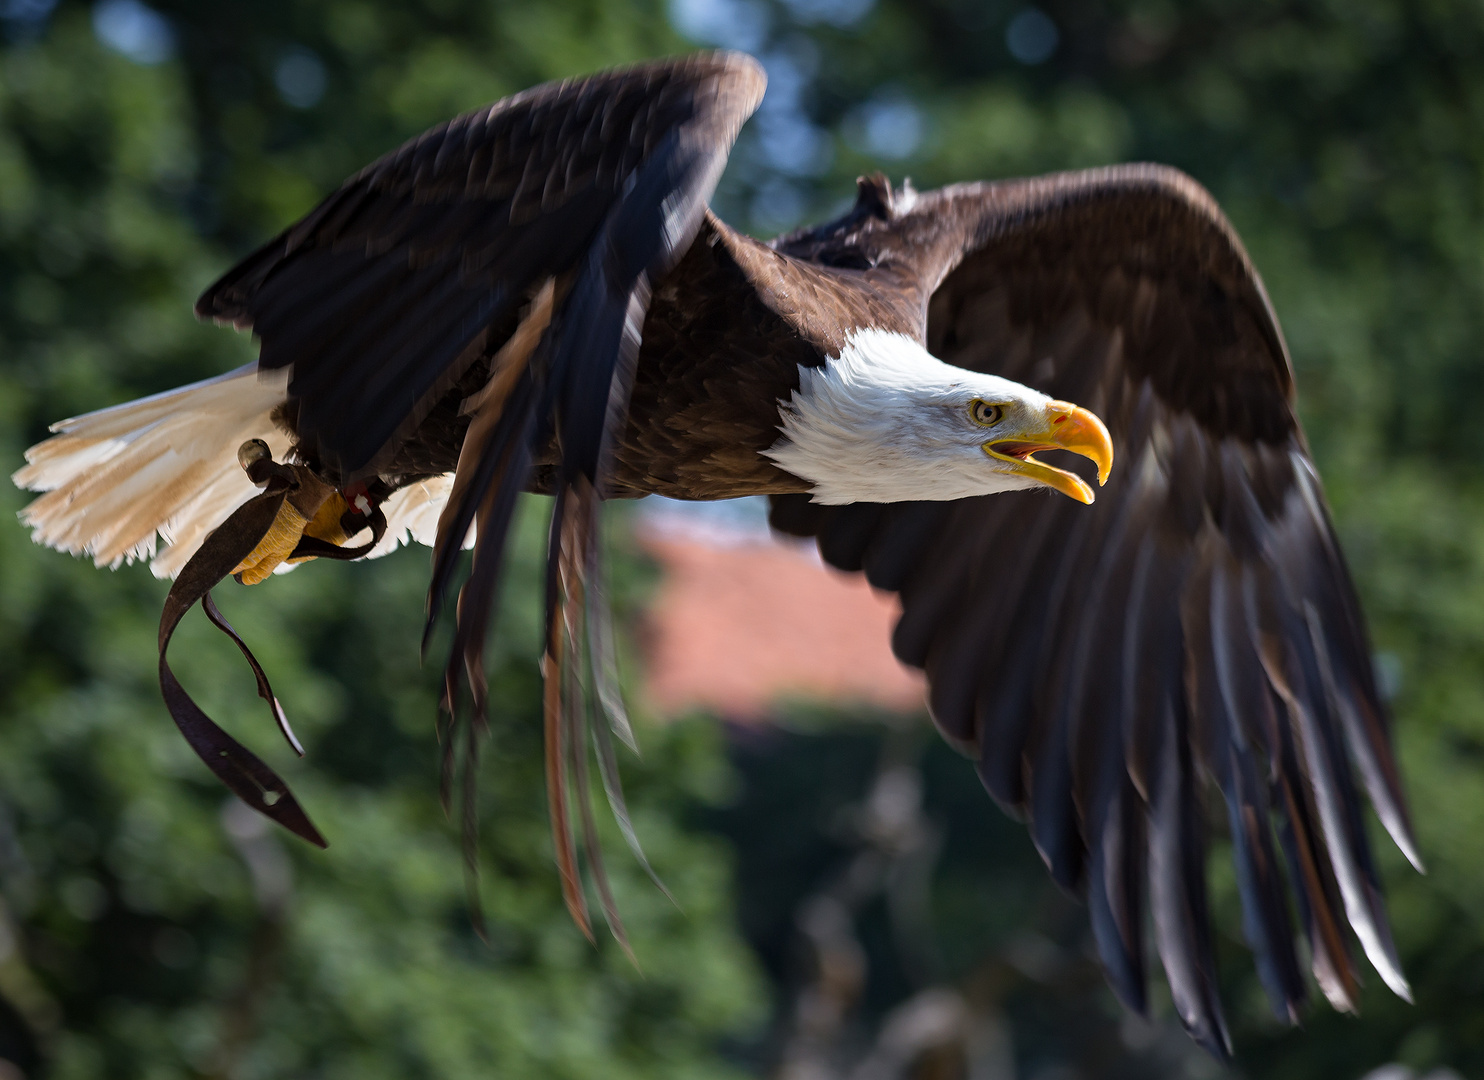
x=1196 y=624
x=514 y=246
x=384 y=294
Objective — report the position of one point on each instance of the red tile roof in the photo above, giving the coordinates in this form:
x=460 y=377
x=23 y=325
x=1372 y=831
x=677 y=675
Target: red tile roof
x=738 y=627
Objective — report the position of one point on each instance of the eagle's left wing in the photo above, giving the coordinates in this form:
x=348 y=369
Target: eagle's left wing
x=516 y=244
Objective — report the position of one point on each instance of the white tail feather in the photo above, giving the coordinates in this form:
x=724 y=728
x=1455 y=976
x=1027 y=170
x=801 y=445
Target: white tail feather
x=166 y=467
x=412 y=514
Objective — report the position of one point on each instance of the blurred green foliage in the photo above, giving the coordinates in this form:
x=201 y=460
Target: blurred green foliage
x=147 y=931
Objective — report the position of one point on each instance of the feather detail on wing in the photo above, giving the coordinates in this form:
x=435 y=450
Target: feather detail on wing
x=1195 y=627
x=524 y=237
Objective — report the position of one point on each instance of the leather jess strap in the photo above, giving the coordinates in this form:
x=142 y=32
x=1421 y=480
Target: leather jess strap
x=225 y=548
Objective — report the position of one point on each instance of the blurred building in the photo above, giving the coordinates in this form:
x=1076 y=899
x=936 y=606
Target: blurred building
x=744 y=621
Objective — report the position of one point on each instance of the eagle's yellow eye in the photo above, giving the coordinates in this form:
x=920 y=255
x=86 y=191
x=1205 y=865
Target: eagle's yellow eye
x=984 y=414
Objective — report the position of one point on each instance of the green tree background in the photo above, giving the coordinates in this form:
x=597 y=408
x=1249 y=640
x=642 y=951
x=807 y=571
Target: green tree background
x=148 y=930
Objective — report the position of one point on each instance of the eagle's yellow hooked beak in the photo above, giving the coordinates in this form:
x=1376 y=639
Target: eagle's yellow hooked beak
x=1066 y=427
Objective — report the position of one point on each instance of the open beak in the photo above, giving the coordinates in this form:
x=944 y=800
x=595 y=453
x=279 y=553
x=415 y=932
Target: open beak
x=1066 y=427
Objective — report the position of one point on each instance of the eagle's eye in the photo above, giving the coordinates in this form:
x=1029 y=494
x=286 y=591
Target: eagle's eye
x=984 y=414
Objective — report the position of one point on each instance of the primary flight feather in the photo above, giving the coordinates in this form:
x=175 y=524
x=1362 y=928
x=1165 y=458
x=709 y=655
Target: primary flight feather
x=535 y=297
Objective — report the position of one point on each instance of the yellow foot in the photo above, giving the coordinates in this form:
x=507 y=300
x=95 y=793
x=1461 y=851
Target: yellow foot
x=326 y=523
x=313 y=509
x=275 y=547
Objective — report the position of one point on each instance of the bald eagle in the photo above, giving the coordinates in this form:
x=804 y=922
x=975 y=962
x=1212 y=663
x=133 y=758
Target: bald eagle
x=535 y=296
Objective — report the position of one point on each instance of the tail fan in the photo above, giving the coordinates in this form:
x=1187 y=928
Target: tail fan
x=120 y=480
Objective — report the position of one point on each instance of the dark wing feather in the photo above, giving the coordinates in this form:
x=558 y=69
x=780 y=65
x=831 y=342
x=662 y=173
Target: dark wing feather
x=379 y=298
x=524 y=237
x=1198 y=621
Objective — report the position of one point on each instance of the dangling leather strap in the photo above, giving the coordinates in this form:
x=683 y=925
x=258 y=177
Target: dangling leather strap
x=224 y=549
x=310 y=547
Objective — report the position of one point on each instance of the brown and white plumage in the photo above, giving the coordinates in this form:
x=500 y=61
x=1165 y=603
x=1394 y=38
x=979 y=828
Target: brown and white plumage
x=1197 y=622
x=535 y=297
x=164 y=468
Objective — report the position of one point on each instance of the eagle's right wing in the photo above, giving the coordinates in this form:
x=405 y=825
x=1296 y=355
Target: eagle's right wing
x=1195 y=626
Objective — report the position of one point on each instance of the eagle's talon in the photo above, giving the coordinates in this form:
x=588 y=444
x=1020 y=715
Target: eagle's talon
x=276 y=546
x=310 y=508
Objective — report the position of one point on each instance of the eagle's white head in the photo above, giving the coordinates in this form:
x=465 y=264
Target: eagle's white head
x=886 y=421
